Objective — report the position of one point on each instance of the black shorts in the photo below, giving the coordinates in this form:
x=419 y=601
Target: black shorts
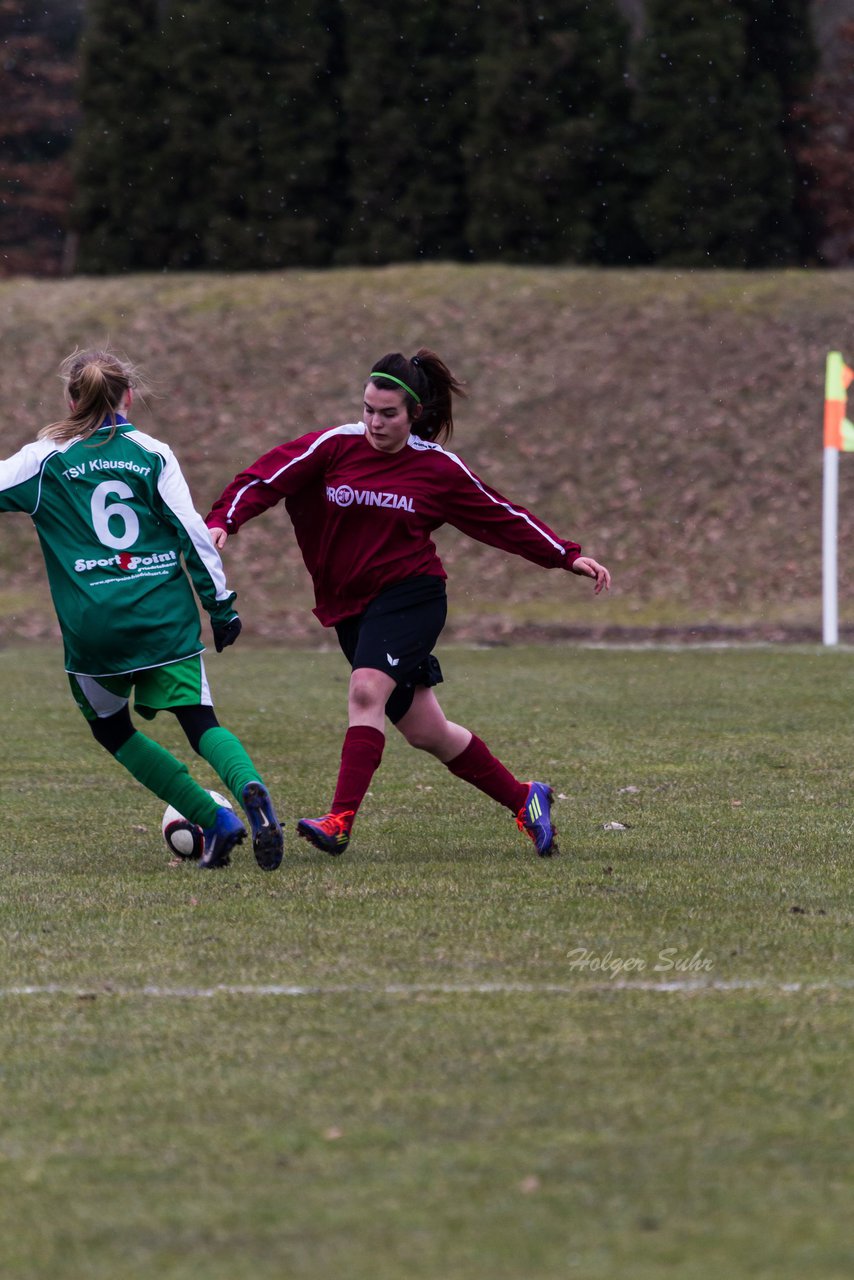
x=396 y=635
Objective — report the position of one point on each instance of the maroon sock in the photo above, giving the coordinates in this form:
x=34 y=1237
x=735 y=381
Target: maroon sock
x=479 y=766
x=360 y=758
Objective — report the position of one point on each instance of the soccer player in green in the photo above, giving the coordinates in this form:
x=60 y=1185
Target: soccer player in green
x=114 y=517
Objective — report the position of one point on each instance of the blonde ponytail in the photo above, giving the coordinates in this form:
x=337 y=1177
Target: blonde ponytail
x=95 y=382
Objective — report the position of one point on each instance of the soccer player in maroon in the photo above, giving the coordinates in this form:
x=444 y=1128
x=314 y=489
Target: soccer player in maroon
x=364 y=500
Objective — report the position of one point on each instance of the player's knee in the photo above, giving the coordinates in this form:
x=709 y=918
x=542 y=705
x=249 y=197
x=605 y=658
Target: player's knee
x=368 y=690
x=112 y=732
x=195 y=721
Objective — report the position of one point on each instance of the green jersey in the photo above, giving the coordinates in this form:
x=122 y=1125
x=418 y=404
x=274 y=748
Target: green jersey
x=114 y=517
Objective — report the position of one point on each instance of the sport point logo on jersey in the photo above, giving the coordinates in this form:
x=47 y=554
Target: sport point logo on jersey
x=344 y=496
x=124 y=560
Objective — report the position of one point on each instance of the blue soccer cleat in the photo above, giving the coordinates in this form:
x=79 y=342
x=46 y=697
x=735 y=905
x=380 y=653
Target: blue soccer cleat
x=220 y=839
x=535 y=819
x=268 y=841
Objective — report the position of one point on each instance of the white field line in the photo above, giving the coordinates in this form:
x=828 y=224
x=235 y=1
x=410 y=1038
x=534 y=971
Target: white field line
x=671 y=987
x=633 y=646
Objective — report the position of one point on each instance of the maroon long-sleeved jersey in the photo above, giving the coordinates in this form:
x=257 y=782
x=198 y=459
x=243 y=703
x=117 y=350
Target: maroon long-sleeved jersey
x=363 y=518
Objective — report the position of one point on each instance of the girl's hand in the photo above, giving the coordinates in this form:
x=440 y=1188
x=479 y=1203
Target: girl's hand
x=219 y=538
x=587 y=567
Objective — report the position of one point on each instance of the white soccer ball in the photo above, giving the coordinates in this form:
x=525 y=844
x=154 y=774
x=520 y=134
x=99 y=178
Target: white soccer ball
x=183 y=838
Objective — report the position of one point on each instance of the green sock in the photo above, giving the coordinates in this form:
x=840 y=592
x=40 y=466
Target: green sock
x=228 y=757
x=159 y=771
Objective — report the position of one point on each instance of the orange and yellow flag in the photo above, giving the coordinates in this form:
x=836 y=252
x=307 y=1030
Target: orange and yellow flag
x=838 y=431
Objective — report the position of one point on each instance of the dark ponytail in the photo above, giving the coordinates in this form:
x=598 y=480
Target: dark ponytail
x=425 y=380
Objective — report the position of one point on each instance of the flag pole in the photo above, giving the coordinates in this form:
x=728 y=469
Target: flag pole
x=829 y=534
x=837 y=431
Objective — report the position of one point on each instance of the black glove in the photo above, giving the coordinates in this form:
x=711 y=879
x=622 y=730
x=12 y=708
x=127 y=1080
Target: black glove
x=225 y=633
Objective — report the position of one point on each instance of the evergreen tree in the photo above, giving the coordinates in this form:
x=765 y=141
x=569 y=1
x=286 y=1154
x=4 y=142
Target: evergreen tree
x=280 y=141
x=782 y=44
x=254 y=145
x=547 y=147
x=37 y=88
x=407 y=97
x=210 y=134
x=825 y=146
x=120 y=137
x=718 y=180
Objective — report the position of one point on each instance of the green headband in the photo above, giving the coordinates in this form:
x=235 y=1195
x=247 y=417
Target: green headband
x=392 y=378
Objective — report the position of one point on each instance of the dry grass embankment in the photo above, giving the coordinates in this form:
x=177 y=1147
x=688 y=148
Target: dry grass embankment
x=671 y=421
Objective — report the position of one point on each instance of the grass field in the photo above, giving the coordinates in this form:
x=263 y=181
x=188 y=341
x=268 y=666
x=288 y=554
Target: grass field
x=440 y=1056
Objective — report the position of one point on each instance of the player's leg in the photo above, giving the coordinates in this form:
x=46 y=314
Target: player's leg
x=361 y=755
x=426 y=727
x=227 y=756
x=387 y=647
x=104 y=703
x=182 y=688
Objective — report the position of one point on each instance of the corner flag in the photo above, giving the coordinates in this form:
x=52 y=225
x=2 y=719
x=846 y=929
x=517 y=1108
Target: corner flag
x=838 y=437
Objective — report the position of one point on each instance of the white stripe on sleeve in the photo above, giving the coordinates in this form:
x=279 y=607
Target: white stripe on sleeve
x=500 y=502
x=349 y=429
x=175 y=492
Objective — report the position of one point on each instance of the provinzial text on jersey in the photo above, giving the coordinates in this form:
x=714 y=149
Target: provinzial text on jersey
x=344 y=496
x=105 y=464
